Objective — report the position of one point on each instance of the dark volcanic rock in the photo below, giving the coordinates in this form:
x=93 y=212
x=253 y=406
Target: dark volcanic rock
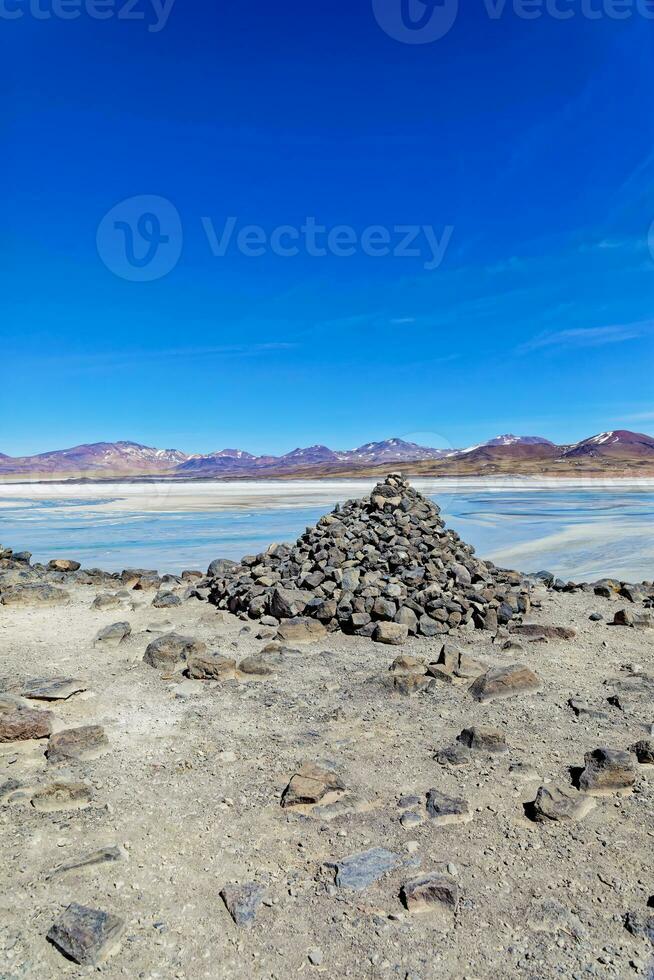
x=426 y=891
x=17 y=724
x=447 y=809
x=559 y=804
x=84 y=935
x=483 y=739
x=359 y=871
x=384 y=566
x=607 y=771
x=243 y=901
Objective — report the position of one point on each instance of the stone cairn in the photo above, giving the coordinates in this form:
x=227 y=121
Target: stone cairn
x=384 y=566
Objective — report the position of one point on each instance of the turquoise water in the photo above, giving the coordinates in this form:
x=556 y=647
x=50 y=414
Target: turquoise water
x=580 y=534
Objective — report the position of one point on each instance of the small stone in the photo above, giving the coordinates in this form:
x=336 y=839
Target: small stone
x=560 y=804
x=63 y=565
x=445 y=810
x=607 y=771
x=505 y=682
x=51 y=688
x=536 y=632
x=61 y=796
x=423 y=893
x=78 y=744
x=166 y=600
x=172 y=649
x=483 y=739
x=210 y=666
x=315 y=956
x=411 y=819
x=113 y=635
x=644 y=751
x=85 y=935
x=394 y=634
x=301 y=629
x=18 y=724
x=359 y=871
x=263 y=664
x=310 y=784
x=242 y=901
x=453 y=755
x=104 y=855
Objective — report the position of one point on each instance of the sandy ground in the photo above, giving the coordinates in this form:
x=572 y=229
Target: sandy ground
x=191 y=787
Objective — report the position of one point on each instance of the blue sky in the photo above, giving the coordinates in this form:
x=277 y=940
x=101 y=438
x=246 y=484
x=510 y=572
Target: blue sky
x=526 y=146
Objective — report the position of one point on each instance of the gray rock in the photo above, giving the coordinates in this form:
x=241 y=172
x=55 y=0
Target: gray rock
x=431 y=890
x=559 y=804
x=166 y=600
x=113 y=635
x=483 y=739
x=51 y=688
x=172 y=649
x=607 y=771
x=445 y=810
x=359 y=871
x=85 y=935
x=505 y=682
x=243 y=901
x=77 y=744
x=394 y=634
x=210 y=666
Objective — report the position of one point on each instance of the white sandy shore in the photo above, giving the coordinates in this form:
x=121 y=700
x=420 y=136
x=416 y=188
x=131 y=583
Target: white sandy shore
x=192 y=496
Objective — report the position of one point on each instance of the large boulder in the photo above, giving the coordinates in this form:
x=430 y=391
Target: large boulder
x=172 y=650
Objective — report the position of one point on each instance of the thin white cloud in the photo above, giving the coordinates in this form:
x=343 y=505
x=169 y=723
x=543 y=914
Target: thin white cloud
x=586 y=337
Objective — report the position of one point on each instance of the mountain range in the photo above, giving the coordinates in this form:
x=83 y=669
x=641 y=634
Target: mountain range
x=620 y=452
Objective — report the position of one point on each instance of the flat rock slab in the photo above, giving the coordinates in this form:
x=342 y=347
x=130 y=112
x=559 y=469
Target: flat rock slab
x=505 y=682
x=607 y=771
x=310 y=784
x=445 y=810
x=28 y=595
x=483 y=740
x=394 y=634
x=534 y=632
x=18 y=724
x=86 y=936
x=172 y=649
x=636 y=620
x=78 y=744
x=426 y=892
x=52 y=688
x=301 y=629
x=559 y=804
x=166 y=600
x=243 y=901
x=359 y=871
x=210 y=667
x=104 y=855
x=113 y=635
x=263 y=664
x=61 y=796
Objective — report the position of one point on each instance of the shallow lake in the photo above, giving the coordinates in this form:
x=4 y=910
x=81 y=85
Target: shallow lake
x=579 y=531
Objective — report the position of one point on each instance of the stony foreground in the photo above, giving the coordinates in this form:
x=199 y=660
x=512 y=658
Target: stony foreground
x=222 y=803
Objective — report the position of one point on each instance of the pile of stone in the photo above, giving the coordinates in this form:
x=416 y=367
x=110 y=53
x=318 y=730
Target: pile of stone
x=384 y=566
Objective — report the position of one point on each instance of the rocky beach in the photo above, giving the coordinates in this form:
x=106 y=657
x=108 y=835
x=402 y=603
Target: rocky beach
x=369 y=753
